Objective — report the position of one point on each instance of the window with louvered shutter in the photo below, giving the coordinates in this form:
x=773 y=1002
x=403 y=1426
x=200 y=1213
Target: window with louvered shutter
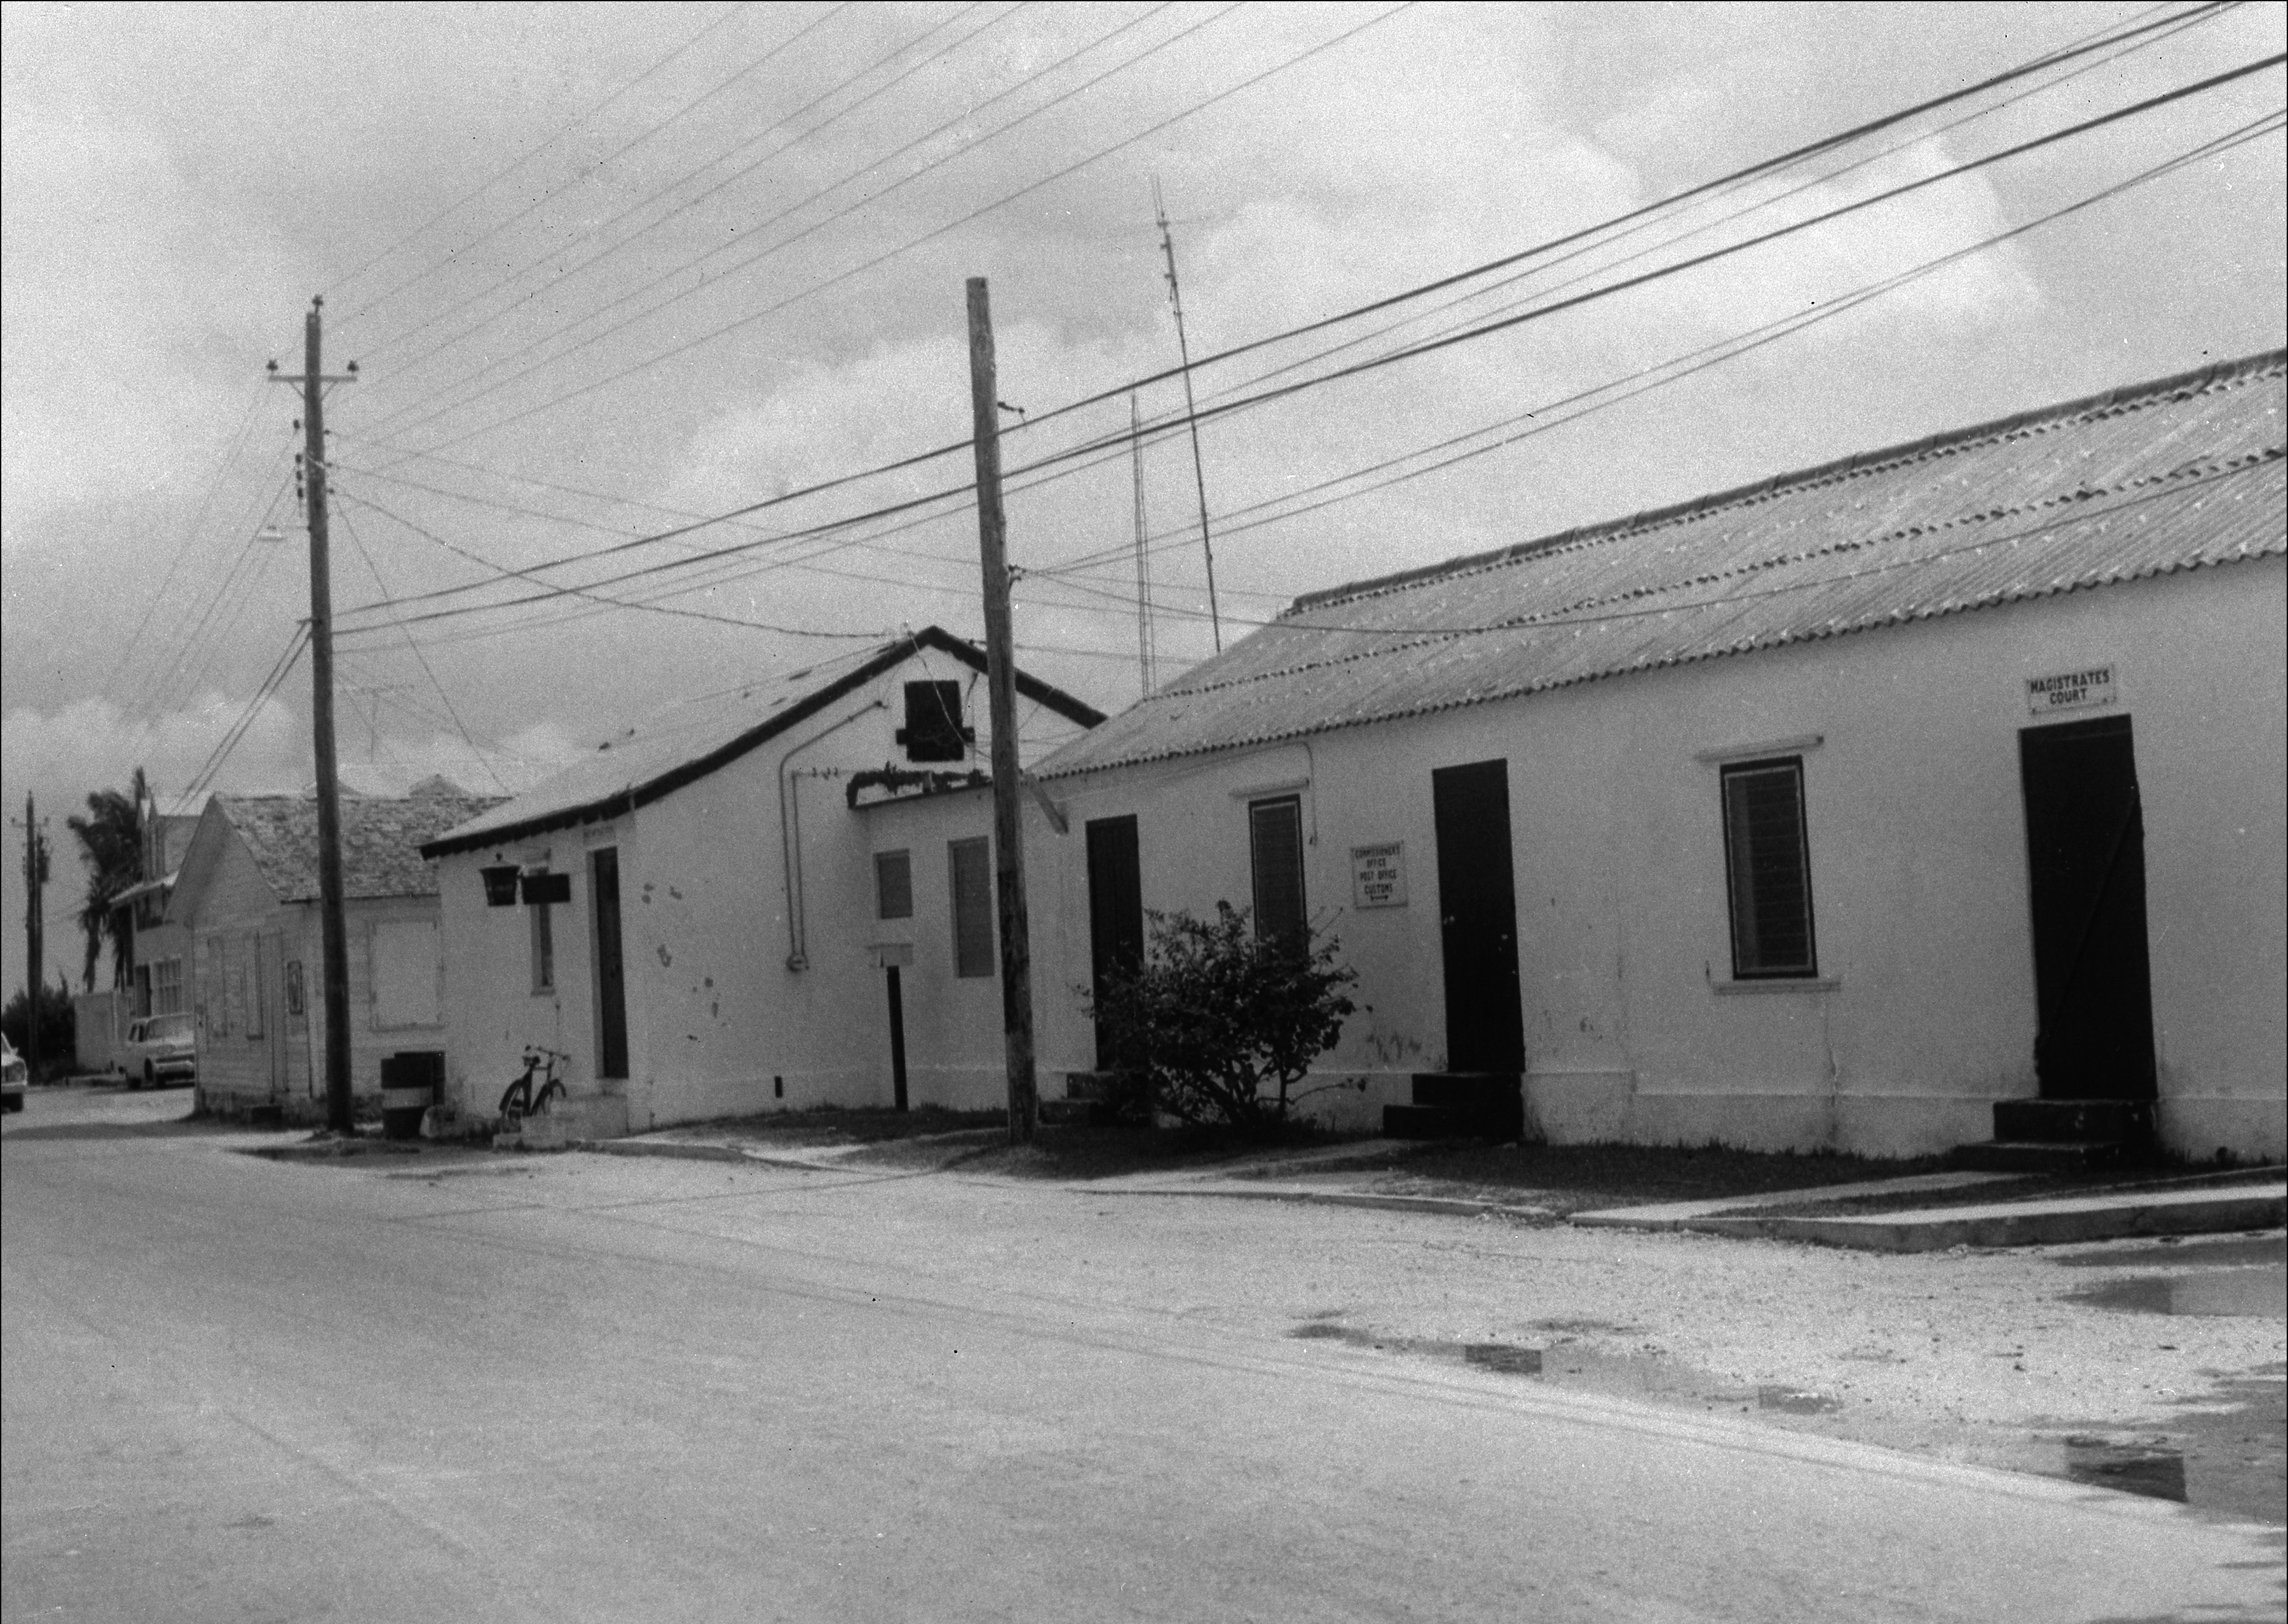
x=1768 y=863
x=1275 y=841
x=972 y=862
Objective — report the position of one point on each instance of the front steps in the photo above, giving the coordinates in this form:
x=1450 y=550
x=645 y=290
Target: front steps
x=1460 y=1106
x=2064 y=1136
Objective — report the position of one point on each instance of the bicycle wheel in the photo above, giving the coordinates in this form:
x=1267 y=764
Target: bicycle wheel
x=554 y=1090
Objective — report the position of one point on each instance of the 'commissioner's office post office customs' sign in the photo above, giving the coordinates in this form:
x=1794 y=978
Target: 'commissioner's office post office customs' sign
x=1378 y=875
x=2082 y=690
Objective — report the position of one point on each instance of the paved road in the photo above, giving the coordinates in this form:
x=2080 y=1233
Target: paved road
x=621 y=1390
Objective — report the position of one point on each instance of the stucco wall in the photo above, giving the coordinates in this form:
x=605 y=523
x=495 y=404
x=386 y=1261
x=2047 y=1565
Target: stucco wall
x=719 y=1022
x=1924 y=1012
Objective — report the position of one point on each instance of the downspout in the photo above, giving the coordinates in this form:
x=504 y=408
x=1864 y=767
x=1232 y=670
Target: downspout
x=791 y=839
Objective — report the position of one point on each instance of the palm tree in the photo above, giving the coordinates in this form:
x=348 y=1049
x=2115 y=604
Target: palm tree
x=111 y=847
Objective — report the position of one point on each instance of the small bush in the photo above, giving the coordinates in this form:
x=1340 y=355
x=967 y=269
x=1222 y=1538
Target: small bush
x=1217 y=1026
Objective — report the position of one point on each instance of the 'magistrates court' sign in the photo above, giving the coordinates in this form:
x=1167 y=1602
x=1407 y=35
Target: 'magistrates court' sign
x=2082 y=690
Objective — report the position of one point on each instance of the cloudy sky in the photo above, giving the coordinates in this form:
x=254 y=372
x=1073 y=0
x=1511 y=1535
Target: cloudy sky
x=609 y=270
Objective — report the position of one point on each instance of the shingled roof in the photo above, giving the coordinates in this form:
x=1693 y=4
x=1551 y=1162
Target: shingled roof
x=2182 y=473
x=381 y=839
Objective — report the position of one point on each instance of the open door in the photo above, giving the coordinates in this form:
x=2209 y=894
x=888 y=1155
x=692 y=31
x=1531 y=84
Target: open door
x=2086 y=862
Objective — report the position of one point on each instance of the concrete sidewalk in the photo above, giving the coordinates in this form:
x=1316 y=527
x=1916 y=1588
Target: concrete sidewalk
x=1343 y=1174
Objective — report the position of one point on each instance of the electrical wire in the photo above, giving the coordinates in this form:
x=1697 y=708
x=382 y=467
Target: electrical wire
x=712 y=278
x=1479 y=330
x=658 y=194
x=460 y=726
x=503 y=223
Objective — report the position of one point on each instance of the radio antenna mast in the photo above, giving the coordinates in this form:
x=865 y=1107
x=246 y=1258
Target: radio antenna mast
x=1191 y=409
x=1146 y=640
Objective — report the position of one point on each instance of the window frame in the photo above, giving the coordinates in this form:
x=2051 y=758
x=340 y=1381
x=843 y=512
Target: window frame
x=543 y=944
x=985 y=963
x=1297 y=934
x=1743 y=949
x=903 y=857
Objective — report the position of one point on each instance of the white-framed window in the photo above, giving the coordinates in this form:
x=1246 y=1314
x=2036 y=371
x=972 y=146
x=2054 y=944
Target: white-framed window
x=166 y=987
x=249 y=978
x=1767 y=870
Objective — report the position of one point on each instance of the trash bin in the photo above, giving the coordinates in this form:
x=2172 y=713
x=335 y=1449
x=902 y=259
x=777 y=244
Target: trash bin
x=409 y=1087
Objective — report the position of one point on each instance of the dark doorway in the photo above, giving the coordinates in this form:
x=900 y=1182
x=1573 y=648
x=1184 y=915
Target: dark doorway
x=1116 y=914
x=2086 y=862
x=1477 y=918
x=611 y=973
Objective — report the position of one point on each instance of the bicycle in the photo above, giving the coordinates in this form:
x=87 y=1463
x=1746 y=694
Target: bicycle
x=521 y=1101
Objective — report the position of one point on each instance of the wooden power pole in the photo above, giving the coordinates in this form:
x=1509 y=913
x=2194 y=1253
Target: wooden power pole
x=333 y=929
x=1001 y=685
x=36 y=930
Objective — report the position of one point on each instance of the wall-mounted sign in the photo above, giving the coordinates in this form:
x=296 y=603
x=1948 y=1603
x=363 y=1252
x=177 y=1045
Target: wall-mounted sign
x=1378 y=875
x=2082 y=690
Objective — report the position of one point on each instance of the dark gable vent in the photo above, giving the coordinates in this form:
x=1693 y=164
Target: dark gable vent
x=933 y=729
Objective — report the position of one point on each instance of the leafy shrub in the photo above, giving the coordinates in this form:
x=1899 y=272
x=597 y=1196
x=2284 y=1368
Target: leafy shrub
x=1219 y=1024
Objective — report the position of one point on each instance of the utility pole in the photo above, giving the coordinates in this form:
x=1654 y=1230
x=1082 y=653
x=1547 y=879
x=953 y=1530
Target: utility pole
x=36 y=876
x=1191 y=408
x=1001 y=685
x=333 y=932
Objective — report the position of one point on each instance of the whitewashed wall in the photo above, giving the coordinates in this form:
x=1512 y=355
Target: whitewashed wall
x=1918 y=872
x=718 y=1024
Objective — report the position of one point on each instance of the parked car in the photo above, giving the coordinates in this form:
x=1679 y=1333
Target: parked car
x=160 y=1049
x=15 y=1077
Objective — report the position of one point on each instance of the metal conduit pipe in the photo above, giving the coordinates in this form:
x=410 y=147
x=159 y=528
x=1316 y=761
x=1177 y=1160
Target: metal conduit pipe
x=791 y=838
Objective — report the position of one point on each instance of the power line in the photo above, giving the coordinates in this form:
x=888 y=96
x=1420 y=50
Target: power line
x=1480 y=330
x=500 y=225
x=715 y=277
x=1170 y=425
x=460 y=726
x=658 y=194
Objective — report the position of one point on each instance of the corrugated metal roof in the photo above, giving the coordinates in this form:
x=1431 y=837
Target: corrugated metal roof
x=695 y=738
x=2176 y=474
x=381 y=840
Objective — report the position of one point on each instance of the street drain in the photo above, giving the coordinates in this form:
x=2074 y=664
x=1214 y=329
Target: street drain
x=1316 y=1331
x=2158 y=1473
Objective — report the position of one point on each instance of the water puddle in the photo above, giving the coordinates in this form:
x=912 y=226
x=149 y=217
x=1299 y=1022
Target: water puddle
x=1796 y=1401
x=2251 y=1294
x=2151 y=1469
x=1568 y=1364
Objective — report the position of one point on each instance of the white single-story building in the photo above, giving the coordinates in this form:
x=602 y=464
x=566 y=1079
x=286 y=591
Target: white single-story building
x=245 y=906
x=1832 y=812
x=734 y=908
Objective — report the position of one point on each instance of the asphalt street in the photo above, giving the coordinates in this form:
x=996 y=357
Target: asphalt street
x=576 y=1388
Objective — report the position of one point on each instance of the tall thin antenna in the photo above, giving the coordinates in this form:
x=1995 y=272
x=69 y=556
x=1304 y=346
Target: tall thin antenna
x=1147 y=639
x=1191 y=410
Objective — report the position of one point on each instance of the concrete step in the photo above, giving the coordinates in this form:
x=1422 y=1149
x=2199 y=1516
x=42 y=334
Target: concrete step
x=2045 y=1155
x=1428 y=1122
x=1466 y=1090
x=1070 y=1110
x=2073 y=1121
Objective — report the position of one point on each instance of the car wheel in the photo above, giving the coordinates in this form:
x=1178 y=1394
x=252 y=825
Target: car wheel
x=150 y=1078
